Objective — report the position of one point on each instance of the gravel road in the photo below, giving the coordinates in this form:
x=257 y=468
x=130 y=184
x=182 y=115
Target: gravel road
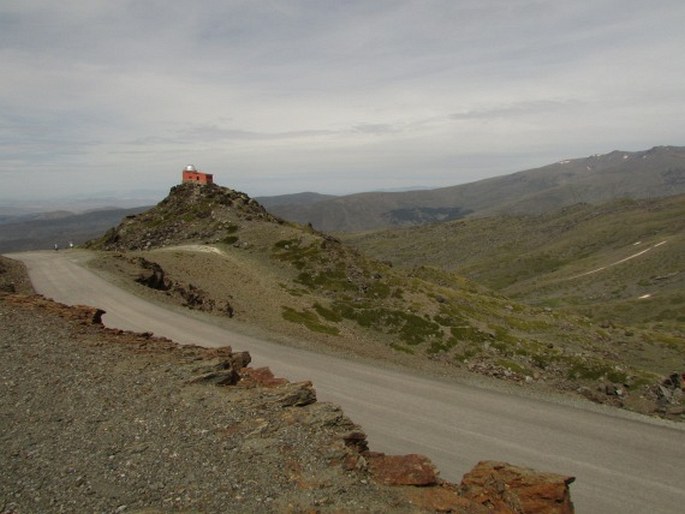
x=623 y=462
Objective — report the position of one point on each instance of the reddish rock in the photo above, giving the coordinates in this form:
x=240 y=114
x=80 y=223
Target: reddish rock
x=502 y=486
x=444 y=499
x=491 y=487
x=409 y=469
x=264 y=377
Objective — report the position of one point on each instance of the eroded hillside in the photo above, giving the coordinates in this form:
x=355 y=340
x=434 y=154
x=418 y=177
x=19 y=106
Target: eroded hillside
x=215 y=249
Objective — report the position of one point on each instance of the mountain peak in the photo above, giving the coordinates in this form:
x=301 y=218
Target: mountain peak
x=190 y=213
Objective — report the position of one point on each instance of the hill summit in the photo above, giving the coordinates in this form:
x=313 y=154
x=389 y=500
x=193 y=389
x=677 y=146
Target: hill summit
x=190 y=213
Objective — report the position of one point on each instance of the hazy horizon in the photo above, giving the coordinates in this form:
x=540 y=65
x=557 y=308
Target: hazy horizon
x=283 y=97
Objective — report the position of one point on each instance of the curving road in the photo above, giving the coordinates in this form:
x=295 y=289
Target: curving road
x=622 y=463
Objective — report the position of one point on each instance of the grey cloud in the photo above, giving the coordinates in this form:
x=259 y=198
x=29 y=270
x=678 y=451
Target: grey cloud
x=374 y=128
x=216 y=133
x=516 y=109
x=383 y=88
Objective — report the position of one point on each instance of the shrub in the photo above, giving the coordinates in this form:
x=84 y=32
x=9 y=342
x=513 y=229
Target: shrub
x=327 y=314
x=308 y=319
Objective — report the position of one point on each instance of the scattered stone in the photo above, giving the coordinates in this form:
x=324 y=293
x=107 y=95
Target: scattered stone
x=273 y=443
x=673 y=381
x=611 y=390
x=445 y=499
x=664 y=393
x=409 y=469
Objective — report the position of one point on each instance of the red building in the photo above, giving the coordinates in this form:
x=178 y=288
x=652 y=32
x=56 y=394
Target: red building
x=190 y=174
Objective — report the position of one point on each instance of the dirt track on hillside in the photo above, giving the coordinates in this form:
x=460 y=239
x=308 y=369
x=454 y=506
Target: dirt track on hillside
x=614 y=455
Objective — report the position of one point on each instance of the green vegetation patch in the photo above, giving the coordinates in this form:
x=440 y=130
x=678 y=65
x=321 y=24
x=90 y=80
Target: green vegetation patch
x=469 y=333
x=411 y=328
x=401 y=348
x=293 y=251
x=593 y=369
x=466 y=351
x=441 y=346
x=333 y=280
x=310 y=320
x=512 y=366
x=327 y=314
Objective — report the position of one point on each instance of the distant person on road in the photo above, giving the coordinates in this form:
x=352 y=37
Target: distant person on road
x=56 y=247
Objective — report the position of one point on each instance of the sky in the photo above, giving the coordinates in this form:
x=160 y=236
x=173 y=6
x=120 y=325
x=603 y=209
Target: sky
x=284 y=96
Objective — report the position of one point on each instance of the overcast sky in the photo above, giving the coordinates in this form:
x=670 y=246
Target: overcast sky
x=335 y=96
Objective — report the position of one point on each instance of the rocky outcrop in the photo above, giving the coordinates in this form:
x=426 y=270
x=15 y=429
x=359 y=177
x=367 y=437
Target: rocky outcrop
x=190 y=212
x=179 y=409
x=669 y=394
x=152 y=275
x=506 y=488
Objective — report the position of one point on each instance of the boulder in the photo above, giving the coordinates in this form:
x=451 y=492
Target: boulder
x=154 y=278
x=502 y=486
x=296 y=394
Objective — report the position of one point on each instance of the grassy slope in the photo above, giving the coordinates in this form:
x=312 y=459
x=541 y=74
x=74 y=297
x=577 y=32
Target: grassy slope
x=296 y=281
x=573 y=259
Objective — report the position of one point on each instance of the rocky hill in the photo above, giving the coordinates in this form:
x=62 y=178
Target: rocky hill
x=188 y=214
x=215 y=249
x=596 y=179
x=101 y=420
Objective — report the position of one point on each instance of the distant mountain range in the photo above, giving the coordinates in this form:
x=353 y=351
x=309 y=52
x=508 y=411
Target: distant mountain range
x=306 y=198
x=658 y=172
x=40 y=231
x=596 y=179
